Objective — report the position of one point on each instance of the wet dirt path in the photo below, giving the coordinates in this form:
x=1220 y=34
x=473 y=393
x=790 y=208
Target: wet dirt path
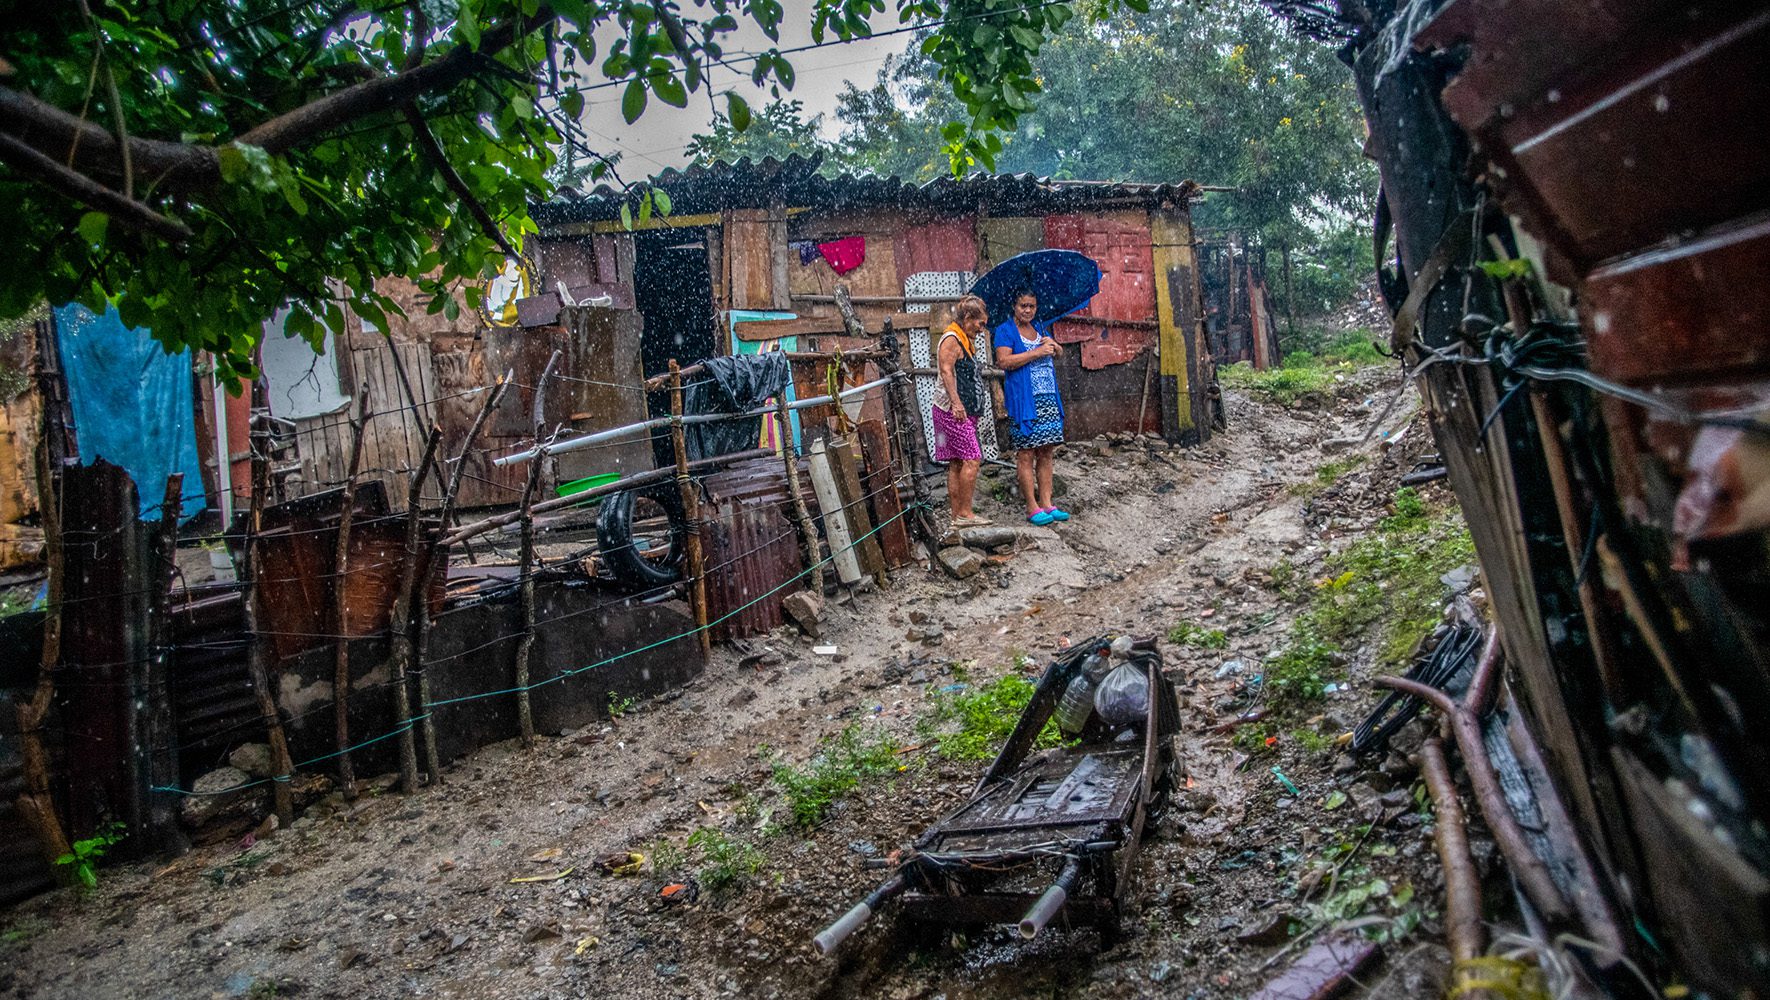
x=412 y=896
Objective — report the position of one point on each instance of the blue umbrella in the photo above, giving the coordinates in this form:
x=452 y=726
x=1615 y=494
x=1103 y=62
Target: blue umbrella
x=1063 y=280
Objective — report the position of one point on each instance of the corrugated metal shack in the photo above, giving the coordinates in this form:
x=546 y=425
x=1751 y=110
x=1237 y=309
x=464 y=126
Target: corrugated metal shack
x=741 y=265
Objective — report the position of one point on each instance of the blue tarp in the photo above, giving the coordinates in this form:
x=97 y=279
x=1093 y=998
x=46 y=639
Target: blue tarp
x=132 y=404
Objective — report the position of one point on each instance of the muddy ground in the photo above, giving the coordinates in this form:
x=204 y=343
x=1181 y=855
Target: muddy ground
x=413 y=896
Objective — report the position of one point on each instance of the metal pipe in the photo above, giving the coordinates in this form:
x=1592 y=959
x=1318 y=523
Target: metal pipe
x=600 y=437
x=1052 y=901
x=830 y=937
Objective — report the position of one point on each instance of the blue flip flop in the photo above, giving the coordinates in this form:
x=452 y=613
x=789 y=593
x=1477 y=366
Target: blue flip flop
x=1041 y=519
x=1057 y=515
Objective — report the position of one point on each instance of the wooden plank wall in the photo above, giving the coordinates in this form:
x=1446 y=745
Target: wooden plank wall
x=393 y=442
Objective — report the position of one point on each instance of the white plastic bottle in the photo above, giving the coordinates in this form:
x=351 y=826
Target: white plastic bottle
x=1077 y=702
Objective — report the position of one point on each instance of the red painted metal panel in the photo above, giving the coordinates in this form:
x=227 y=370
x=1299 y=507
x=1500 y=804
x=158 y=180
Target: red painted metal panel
x=941 y=245
x=1115 y=348
x=1688 y=313
x=1123 y=250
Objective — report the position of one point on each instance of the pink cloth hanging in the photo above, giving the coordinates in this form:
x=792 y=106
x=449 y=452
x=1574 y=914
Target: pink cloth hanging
x=845 y=254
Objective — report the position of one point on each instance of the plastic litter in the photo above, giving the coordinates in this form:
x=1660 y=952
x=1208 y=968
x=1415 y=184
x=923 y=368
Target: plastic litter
x=1077 y=703
x=1123 y=697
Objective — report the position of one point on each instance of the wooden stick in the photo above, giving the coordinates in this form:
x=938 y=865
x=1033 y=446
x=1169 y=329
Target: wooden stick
x=634 y=481
x=159 y=733
x=525 y=718
x=340 y=611
x=438 y=554
x=1462 y=889
x=36 y=803
x=905 y=419
x=399 y=631
x=808 y=545
x=1148 y=379
x=258 y=659
x=691 y=506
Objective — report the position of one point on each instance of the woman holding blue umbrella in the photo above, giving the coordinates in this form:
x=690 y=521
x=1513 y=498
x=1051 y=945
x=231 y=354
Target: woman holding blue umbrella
x=1027 y=353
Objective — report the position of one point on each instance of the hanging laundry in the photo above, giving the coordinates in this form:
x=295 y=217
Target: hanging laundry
x=846 y=254
x=807 y=250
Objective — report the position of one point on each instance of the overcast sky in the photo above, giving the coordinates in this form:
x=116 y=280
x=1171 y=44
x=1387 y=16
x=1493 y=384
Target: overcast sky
x=658 y=139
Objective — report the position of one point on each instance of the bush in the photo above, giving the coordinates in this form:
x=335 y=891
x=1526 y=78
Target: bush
x=986 y=717
x=839 y=767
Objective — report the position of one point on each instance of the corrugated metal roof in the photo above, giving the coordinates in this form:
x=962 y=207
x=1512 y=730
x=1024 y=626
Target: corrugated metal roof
x=796 y=182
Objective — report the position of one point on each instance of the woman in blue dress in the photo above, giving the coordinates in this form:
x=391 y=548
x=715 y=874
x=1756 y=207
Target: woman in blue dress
x=1035 y=411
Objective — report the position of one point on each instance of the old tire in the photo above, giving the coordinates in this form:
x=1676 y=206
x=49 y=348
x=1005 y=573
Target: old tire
x=624 y=559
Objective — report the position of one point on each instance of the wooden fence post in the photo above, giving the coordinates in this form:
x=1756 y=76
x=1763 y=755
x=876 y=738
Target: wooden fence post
x=399 y=628
x=807 y=530
x=691 y=506
x=157 y=734
x=36 y=803
x=340 y=609
x=258 y=658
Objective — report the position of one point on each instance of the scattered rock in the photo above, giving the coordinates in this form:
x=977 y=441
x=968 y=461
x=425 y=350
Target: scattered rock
x=541 y=932
x=254 y=759
x=989 y=537
x=215 y=794
x=959 y=561
x=1333 y=446
x=806 y=611
x=1274 y=929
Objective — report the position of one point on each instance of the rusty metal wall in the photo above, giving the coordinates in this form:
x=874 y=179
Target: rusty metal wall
x=751 y=546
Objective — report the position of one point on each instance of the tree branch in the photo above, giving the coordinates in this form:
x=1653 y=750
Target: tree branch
x=433 y=151
x=47 y=129
x=50 y=130
x=94 y=195
x=286 y=131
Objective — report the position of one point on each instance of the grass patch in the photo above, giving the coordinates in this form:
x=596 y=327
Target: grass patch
x=1386 y=585
x=1285 y=386
x=726 y=861
x=1354 y=347
x=1326 y=476
x=985 y=717
x=840 y=765
x=1198 y=637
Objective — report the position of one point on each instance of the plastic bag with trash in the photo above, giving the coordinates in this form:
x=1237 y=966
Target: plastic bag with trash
x=1122 y=699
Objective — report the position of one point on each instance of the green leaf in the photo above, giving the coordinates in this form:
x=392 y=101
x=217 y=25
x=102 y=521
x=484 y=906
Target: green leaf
x=572 y=104
x=626 y=216
x=633 y=101
x=1140 y=6
x=467 y=27
x=669 y=90
x=738 y=110
x=1502 y=270
x=645 y=208
x=92 y=226
x=1334 y=801
x=662 y=197
x=65 y=859
x=783 y=71
x=233 y=162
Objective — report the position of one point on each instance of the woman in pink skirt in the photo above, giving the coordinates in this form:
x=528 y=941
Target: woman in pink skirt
x=958 y=402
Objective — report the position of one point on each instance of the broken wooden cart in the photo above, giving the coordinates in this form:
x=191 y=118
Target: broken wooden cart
x=1048 y=834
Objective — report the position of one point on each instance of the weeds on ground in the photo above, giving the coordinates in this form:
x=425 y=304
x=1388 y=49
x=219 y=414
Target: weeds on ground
x=1197 y=636
x=1354 y=347
x=82 y=860
x=23 y=930
x=726 y=861
x=1284 y=385
x=619 y=706
x=985 y=717
x=1326 y=476
x=1252 y=737
x=1387 y=583
x=840 y=765
x=1288 y=581
x=1311 y=740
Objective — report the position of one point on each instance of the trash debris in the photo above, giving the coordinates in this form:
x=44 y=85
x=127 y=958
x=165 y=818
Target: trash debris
x=826 y=650
x=677 y=893
x=554 y=877
x=1320 y=971
x=620 y=863
x=1076 y=806
x=586 y=943
x=550 y=854
x=1286 y=782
